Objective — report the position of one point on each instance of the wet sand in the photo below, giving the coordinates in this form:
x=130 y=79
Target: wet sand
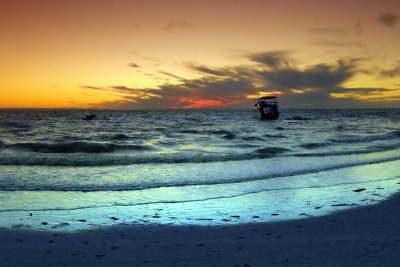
x=362 y=236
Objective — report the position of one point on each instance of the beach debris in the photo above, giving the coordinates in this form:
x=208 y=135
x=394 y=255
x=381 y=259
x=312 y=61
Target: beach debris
x=60 y=225
x=44 y=223
x=344 y=205
x=359 y=190
x=19 y=225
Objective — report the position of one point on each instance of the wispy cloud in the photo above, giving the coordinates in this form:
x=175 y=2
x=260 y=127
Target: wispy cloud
x=136 y=92
x=205 y=69
x=338 y=43
x=388 y=19
x=171 y=75
x=178 y=24
x=395 y=71
x=274 y=60
x=331 y=31
x=133 y=65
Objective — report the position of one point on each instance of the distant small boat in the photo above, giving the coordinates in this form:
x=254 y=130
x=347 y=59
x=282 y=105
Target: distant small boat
x=268 y=107
x=89 y=117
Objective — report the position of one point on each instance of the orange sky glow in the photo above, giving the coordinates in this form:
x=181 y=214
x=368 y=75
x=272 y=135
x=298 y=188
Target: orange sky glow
x=197 y=54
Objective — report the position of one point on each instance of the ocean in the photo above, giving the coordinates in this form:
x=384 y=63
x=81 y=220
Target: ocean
x=59 y=172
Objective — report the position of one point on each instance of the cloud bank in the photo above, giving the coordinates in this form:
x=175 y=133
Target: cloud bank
x=315 y=86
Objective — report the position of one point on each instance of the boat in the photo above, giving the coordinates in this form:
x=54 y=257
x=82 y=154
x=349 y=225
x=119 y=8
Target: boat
x=268 y=107
x=90 y=117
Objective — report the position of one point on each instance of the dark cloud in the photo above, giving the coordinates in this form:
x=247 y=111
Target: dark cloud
x=388 y=19
x=274 y=60
x=133 y=65
x=284 y=77
x=363 y=91
x=319 y=76
x=205 y=70
x=392 y=72
x=339 y=98
x=338 y=43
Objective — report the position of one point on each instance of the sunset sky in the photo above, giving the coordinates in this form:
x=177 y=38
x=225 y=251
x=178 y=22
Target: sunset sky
x=194 y=54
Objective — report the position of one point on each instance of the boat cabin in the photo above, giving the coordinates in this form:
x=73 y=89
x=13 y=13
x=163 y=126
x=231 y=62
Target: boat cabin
x=268 y=107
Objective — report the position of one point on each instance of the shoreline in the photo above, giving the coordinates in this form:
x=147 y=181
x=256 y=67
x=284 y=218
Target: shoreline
x=365 y=235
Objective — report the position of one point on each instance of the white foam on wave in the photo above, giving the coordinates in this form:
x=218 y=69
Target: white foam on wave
x=141 y=176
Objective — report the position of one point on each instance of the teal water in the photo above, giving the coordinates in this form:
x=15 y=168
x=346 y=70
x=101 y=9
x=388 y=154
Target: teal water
x=202 y=167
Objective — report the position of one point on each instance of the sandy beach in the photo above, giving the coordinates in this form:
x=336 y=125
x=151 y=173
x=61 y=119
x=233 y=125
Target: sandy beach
x=363 y=236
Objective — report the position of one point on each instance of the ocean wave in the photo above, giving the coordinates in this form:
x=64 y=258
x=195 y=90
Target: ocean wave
x=274 y=136
x=220 y=132
x=120 y=137
x=312 y=145
x=72 y=147
x=147 y=157
x=271 y=151
x=252 y=138
x=109 y=159
x=372 y=149
x=367 y=138
x=355 y=140
x=137 y=177
x=297 y=118
x=18 y=125
x=189 y=131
